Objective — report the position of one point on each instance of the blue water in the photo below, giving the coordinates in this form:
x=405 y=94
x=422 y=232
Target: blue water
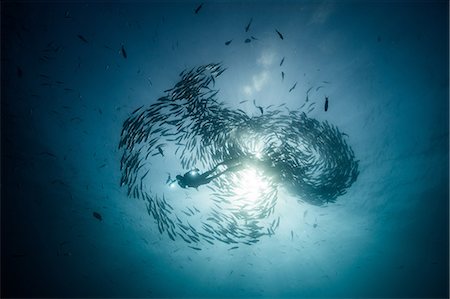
x=65 y=98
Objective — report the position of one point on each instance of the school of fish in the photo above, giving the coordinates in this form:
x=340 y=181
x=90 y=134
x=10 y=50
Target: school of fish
x=308 y=158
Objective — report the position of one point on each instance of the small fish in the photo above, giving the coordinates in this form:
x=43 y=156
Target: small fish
x=97 y=216
x=137 y=109
x=293 y=87
x=282 y=76
x=254 y=38
x=124 y=53
x=282 y=60
x=67 y=15
x=169 y=179
x=235 y=247
x=228 y=42
x=307 y=94
x=82 y=38
x=242 y=102
x=279 y=34
x=259 y=107
x=160 y=151
x=326 y=104
x=248 y=25
x=247 y=40
x=198 y=8
x=19 y=72
x=195 y=248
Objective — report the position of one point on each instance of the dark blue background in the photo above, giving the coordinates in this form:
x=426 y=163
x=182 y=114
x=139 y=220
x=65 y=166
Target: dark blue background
x=387 y=64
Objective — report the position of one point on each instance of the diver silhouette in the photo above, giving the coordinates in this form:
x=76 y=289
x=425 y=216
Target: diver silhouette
x=195 y=179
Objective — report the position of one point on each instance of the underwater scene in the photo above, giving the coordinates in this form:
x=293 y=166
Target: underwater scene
x=225 y=149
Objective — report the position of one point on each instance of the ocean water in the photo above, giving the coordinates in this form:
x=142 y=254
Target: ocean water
x=74 y=73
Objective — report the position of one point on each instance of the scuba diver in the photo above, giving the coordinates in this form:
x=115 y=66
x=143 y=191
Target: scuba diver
x=195 y=179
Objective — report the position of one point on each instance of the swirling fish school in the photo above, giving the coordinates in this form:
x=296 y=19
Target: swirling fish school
x=309 y=158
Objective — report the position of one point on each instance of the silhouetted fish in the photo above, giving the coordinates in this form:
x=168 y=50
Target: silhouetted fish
x=247 y=40
x=97 y=216
x=282 y=76
x=228 y=42
x=259 y=107
x=198 y=8
x=293 y=87
x=248 y=25
x=326 y=104
x=279 y=34
x=137 y=109
x=82 y=38
x=307 y=94
x=124 y=53
x=19 y=72
x=195 y=248
x=282 y=60
x=160 y=151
